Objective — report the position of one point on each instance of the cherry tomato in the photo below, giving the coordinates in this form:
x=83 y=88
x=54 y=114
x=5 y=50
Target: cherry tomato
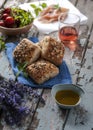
x=4 y=16
x=2 y=23
x=7 y=10
x=9 y=21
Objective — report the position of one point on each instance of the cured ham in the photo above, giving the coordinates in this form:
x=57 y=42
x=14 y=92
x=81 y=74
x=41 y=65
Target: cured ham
x=51 y=14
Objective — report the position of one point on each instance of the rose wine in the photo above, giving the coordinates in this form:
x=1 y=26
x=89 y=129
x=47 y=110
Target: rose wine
x=69 y=37
x=68 y=33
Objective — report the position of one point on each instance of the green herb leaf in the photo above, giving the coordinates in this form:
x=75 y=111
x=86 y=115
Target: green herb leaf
x=33 y=6
x=21 y=68
x=25 y=74
x=39 y=8
x=56 y=6
x=2 y=43
x=37 y=11
x=43 y=5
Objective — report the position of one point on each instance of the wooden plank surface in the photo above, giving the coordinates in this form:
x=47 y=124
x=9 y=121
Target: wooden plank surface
x=80 y=117
x=86 y=7
x=50 y=116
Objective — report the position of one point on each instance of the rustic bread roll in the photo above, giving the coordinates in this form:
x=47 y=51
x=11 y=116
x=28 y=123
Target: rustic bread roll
x=52 y=50
x=26 y=51
x=41 y=71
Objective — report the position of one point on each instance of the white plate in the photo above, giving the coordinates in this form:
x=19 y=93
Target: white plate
x=50 y=27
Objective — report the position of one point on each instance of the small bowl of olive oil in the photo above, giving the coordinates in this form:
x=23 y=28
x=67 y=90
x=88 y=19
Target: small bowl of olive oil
x=67 y=95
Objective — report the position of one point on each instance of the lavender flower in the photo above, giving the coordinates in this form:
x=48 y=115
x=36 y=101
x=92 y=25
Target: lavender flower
x=12 y=98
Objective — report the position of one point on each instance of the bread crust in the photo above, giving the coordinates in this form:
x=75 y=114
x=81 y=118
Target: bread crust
x=26 y=51
x=52 y=50
x=42 y=58
x=42 y=70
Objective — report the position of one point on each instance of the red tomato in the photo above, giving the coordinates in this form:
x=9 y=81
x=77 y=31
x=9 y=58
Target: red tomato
x=9 y=21
x=4 y=16
x=2 y=23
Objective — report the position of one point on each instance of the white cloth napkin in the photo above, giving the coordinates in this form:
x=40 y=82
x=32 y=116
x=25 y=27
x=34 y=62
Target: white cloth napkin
x=50 y=27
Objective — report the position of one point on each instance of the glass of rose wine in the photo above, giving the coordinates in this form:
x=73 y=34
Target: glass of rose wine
x=68 y=30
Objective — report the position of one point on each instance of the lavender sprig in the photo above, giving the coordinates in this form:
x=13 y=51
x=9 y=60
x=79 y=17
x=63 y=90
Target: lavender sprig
x=12 y=97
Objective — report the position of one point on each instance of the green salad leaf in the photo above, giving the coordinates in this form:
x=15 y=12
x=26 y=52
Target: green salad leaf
x=22 y=16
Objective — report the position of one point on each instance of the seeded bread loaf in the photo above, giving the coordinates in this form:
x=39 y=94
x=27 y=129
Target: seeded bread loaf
x=52 y=50
x=42 y=70
x=26 y=51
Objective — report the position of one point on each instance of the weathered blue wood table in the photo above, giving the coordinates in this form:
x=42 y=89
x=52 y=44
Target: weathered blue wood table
x=49 y=116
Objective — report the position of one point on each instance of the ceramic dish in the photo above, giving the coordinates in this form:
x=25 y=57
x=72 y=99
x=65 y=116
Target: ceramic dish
x=15 y=31
x=73 y=94
x=14 y=21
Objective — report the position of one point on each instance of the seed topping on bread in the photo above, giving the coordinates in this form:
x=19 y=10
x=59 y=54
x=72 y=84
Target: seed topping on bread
x=52 y=50
x=26 y=51
x=42 y=70
x=42 y=58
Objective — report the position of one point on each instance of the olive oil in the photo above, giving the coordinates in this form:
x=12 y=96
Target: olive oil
x=67 y=97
